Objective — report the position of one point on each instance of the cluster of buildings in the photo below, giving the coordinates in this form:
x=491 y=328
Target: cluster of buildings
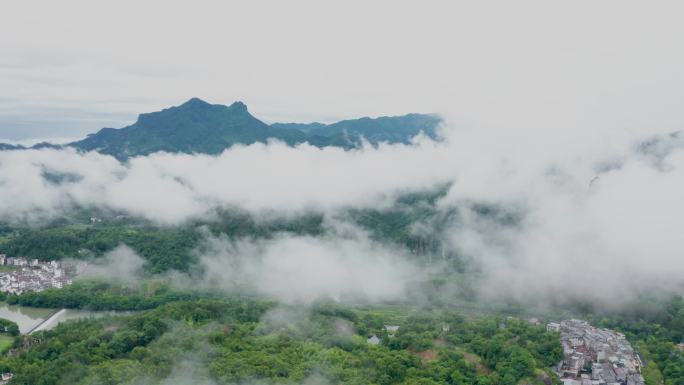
x=391 y=331
x=5 y=378
x=34 y=275
x=594 y=356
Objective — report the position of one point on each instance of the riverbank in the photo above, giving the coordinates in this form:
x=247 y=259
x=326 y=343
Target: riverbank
x=27 y=318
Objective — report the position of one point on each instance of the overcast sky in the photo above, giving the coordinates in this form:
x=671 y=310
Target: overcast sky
x=71 y=67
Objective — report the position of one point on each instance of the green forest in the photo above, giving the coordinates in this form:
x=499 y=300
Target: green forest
x=250 y=338
x=87 y=233
x=229 y=341
x=204 y=337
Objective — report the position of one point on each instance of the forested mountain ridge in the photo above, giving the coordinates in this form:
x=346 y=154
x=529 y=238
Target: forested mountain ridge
x=200 y=127
x=193 y=127
x=393 y=129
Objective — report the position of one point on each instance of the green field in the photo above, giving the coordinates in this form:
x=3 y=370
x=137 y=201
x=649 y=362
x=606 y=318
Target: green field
x=5 y=342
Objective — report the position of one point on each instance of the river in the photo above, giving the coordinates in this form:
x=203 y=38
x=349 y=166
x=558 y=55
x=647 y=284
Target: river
x=29 y=318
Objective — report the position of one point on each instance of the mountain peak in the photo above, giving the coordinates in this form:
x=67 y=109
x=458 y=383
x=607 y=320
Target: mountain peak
x=197 y=103
x=239 y=106
x=194 y=102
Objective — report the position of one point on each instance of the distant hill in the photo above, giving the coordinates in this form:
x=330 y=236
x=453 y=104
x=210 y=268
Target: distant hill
x=194 y=126
x=200 y=127
x=658 y=147
x=5 y=147
x=393 y=129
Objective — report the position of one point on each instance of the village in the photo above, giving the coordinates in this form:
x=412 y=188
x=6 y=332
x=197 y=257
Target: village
x=595 y=356
x=21 y=275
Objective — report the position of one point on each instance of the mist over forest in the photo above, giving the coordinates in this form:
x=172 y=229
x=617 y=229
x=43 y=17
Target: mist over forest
x=503 y=224
x=328 y=193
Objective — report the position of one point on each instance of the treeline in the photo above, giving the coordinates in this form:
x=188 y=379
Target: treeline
x=226 y=341
x=414 y=221
x=95 y=295
x=163 y=247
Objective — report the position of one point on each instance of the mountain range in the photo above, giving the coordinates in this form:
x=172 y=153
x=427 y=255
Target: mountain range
x=200 y=127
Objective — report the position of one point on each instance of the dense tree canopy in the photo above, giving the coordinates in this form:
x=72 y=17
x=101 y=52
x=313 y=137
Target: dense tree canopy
x=230 y=341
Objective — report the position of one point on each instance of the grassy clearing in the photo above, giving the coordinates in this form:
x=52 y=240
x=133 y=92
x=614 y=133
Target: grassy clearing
x=392 y=314
x=5 y=342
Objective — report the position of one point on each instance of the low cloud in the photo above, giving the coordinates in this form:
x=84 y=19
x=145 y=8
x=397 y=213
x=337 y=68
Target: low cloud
x=305 y=269
x=122 y=265
x=596 y=217
x=172 y=188
x=291 y=269
x=605 y=240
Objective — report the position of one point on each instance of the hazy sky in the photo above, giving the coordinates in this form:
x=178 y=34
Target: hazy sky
x=71 y=67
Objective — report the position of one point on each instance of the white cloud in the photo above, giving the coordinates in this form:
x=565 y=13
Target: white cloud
x=605 y=241
x=172 y=188
x=121 y=265
x=304 y=269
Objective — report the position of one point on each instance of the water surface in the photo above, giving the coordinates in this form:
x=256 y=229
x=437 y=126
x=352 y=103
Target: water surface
x=26 y=318
x=29 y=318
